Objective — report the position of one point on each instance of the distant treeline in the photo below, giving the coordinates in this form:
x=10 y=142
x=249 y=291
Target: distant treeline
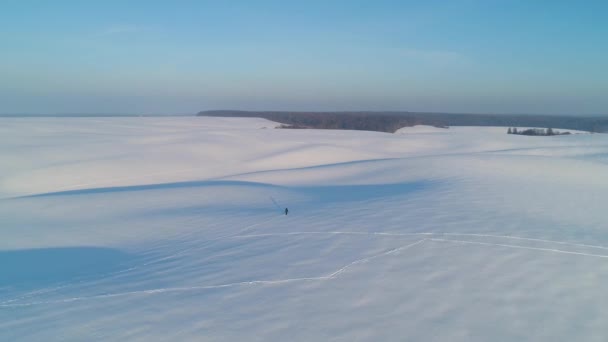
x=392 y=121
x=536 y=132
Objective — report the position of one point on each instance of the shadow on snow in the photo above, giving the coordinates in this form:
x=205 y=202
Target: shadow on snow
x=330 y=193
x=147 y=187
x=44 y=266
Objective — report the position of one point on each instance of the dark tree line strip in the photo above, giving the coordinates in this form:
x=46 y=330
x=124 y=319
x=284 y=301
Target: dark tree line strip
x=392 y=121
x=536 y=132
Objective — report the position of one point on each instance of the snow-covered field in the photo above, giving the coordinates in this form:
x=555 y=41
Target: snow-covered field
x=145 y=229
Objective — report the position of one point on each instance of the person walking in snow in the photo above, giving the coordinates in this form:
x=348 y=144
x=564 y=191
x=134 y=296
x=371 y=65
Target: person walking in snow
x=286 y=211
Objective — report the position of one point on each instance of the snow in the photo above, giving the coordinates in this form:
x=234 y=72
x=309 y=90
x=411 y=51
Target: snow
x=146 y=229
x=422 y=129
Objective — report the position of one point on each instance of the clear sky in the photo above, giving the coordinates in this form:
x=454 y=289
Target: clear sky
x=121 y=56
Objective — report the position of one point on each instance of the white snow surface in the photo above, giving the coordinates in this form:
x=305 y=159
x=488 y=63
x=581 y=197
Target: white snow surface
x=422 y=129
x=144 y=229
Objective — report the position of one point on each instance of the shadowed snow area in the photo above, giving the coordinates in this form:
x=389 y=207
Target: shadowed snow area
x=147 y=229
x=42 y=267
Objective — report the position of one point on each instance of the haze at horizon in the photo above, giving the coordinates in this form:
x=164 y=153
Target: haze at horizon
x=546 y=57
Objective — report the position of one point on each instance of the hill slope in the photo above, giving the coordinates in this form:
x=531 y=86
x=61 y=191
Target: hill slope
x=172 y=229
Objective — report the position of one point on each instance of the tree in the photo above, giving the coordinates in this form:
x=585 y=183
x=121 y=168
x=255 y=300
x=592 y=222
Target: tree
x=550 y=131
x=509 y=131
x=514 y=130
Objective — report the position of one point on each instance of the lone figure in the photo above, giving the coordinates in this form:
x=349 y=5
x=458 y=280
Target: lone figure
x=286 y=211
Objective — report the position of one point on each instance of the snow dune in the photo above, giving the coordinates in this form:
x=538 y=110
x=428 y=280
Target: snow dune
x=172 y=228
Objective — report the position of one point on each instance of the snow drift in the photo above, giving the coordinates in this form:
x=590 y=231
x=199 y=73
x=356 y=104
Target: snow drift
x=172 y=228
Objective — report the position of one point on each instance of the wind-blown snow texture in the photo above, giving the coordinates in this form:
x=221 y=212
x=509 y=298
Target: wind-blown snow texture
x=166 y=229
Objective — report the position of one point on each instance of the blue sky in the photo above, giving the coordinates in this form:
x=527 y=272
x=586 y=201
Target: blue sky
x=184 y=56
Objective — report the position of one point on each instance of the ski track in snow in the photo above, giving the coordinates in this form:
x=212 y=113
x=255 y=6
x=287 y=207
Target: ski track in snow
x=424 y=234
x=9 y=303
x=208 y=287
x=552 y=250
x=130 y=269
